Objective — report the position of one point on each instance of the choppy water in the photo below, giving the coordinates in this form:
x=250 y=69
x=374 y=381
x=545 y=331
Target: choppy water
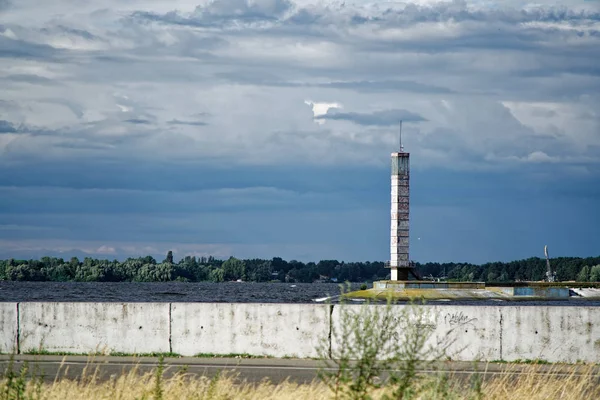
x=230 y=292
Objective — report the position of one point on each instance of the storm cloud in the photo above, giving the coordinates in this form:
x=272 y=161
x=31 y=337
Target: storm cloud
x=172 y=124
x=376 y=118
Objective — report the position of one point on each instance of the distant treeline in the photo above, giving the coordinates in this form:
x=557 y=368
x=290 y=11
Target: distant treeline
x=192 y=269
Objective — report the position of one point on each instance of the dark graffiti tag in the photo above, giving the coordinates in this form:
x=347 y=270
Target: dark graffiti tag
x=458 y=318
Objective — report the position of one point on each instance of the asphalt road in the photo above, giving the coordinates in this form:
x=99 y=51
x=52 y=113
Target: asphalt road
x=250 y=370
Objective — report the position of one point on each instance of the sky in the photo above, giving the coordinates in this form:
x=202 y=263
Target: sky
x=264 y=128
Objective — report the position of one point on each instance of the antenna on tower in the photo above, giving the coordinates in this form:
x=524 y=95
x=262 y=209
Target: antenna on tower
x=400 y=139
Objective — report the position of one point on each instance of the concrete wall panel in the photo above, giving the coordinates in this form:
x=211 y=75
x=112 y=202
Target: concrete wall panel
x=259 y=329
x=471 y=333
x=551 y=333
x=95 y=327
x=509 y=332
x=465 y=333
x=8 y=327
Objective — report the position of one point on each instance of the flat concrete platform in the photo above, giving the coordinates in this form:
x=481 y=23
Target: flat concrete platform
x=427 y=285
x=522 y=291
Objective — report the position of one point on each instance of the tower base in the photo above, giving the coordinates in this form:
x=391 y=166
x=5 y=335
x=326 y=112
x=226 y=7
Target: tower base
x=403 y=272
x=399 y=274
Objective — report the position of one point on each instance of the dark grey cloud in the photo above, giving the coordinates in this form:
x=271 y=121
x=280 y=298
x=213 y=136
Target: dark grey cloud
x=29 y=130
x=71 y=31
x=77 y=32
x=264 y=78
x=67 y=201
x=138 y=121
x=460 y=11
x=192 y=123
x=377 y=118
x=14 y=48
x=89 y=136
x=81 y=144
x=243 y=10
x=5 y=4
x=188 y=217
x=7 y=127
x=251 y=76
x=284 y=12
x=387 y=86
x=202 y=174
x=32 y=79
x=223 y=12
x=108 y=187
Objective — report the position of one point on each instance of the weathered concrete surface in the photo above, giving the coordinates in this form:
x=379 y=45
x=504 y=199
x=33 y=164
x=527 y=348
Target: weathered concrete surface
x=8 y=327
x=276 y=330
x=472 y=333
x=486 y=333
x=94 y=327
x=464 y=332
x=555 y=334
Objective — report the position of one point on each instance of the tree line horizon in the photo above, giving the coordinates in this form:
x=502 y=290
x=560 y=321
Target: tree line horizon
x=201 y=269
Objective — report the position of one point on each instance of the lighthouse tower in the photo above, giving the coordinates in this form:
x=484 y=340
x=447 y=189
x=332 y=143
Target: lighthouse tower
x=399 y=235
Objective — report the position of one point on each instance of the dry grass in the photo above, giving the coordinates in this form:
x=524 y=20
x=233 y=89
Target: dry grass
x=537 y=382
x=546 y=382
x=129 y=388
x=134 y=385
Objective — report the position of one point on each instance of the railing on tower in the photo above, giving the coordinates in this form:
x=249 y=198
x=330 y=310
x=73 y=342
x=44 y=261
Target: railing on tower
x=388 y=264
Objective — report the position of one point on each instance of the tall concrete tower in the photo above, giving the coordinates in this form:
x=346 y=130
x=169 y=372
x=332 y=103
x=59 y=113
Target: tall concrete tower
x=399 y=260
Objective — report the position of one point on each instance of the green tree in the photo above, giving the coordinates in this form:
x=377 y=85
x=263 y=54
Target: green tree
x=584 y=274
x=192 y=269
x=3 y=265
x=234 y=269
x=279 y=264
x=327 y=267
x=216 y=275
x=595 y=273
x=262 y=272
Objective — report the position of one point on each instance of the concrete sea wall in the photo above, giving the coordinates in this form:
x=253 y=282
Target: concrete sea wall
x=85 y=327
x=277 y=330
x=552 y=333
x=8 y=324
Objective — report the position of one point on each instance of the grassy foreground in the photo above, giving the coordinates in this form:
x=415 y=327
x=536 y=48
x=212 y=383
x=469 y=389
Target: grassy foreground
x=536 y=383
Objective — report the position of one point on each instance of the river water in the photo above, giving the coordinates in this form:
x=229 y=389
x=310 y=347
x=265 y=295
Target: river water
x=228 y=292
x=231 y=292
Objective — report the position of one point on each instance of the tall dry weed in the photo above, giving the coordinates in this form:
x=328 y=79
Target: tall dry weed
x=515 y=383
x=540 y=382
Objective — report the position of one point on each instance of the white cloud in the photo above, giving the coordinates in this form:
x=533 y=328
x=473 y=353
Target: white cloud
x=540 y=156
x=105 y=250
x=123 y=108
x=320 y=109
x=9 y=34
